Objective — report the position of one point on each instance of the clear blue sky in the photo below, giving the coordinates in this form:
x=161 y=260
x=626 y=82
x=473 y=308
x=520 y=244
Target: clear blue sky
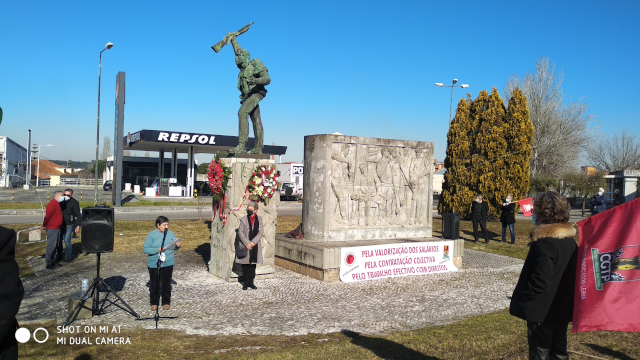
x=361 y=68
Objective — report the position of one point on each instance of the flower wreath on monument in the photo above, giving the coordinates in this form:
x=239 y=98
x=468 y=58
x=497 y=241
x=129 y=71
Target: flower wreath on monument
x=263 y=184
x=218 y=179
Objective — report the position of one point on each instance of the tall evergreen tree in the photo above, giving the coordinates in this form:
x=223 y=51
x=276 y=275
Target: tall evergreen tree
x=456 y=193
x=488 y=160
x=519 y=137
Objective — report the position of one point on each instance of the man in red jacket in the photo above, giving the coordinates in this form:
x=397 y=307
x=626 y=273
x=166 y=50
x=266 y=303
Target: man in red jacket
x=53 y=221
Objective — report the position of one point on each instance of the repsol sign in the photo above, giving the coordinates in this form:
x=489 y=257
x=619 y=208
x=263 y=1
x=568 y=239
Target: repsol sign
x=176 y=137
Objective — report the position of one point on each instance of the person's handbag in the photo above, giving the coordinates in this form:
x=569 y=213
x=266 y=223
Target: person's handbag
x=241 y=250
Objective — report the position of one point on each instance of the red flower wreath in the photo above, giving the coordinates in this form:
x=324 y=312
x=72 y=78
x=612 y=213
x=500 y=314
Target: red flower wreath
x=218 y=178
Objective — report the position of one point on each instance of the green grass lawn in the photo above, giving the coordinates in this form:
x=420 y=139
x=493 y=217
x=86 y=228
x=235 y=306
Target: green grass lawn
x=493 y=336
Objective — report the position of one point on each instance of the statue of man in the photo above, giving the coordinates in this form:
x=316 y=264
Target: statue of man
x=252 y=79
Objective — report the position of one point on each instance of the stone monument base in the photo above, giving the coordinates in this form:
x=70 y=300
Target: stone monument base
x=321 y=260
x=223 y=250
x=262 y=272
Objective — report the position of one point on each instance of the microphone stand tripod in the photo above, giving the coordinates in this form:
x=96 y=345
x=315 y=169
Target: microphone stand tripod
x=94 y=290
x=157 y=316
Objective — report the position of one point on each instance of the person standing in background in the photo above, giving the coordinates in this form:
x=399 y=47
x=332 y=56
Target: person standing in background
x=70 y=213
x=618 y=198
x=479 y=213
x=508 y=219
x=598 y=203
x=53 y=221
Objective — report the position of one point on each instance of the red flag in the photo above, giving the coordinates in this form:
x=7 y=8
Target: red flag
x=526 y=205
x=608 y=272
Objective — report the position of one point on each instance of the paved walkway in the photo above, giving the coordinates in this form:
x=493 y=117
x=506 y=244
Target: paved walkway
x=289 y=304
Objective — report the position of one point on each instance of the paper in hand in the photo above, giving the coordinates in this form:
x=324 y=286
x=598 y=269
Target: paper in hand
x=172 y=244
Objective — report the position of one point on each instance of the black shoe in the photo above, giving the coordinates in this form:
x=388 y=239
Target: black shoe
x=67 y=260
x=253 y=287
x=50 y=267
x=244 y=288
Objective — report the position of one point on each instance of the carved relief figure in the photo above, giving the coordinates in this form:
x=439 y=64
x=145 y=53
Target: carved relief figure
x=417 y=174
x=342 y=173
x=405 y=194
x=365 y=192
x=384 y=170
x=378 y=185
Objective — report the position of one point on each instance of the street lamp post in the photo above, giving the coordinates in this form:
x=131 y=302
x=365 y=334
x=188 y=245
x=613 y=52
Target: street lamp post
x=455 y=81
x=106 y=47
x=38 y=172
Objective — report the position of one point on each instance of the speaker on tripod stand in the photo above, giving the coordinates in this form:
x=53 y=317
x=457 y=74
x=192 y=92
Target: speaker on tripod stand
x=97 y=230
x=97 y=237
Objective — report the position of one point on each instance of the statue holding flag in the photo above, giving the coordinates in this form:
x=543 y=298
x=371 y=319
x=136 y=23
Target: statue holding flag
x=252 y=79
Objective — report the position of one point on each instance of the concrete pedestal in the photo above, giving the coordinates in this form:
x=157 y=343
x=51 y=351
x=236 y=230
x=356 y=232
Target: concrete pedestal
x=222 y=237
x=360 y=192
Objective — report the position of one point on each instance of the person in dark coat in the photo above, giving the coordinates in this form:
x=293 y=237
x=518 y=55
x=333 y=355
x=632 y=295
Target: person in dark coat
x=479 y=213
x=71 y=215
x=618 y=198
x=508 y=218
x=250 y=233
x=545 y=291
x=11 y=293
x=598 y=203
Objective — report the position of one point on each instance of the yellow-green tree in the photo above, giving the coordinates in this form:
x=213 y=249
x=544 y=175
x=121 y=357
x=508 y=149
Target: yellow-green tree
x=489 y=173
x=456 y=194
x=488 y=153
x=518 y=131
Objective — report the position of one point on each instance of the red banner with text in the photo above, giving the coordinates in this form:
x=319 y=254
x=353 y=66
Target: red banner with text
x=608 y=273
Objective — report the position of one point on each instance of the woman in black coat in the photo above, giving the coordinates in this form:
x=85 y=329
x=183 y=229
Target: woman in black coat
x=544 y=293
x=508 y=218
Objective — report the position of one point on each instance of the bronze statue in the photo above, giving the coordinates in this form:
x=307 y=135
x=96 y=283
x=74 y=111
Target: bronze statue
x=252 y=79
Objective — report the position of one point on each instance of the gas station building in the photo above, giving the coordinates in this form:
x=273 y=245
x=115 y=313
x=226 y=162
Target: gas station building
x=144 y=170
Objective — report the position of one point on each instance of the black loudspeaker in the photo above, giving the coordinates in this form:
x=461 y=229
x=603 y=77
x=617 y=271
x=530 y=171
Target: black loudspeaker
x=451 y=226
x=97 y=229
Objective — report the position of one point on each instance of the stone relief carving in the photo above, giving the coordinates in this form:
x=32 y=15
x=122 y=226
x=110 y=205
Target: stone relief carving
x=342 y=178
x=379 y=186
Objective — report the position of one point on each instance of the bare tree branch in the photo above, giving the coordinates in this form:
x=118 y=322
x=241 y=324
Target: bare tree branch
x=560 y=130
x=616 y=153
x=106 y=148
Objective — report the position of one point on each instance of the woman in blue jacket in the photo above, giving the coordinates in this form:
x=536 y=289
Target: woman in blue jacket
x=153 y=246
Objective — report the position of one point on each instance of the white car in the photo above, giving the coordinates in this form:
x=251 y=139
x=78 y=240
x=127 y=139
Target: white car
x=291 y=191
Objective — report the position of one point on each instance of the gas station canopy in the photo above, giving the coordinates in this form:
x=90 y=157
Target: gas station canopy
x=176 y=142
x=168 y=141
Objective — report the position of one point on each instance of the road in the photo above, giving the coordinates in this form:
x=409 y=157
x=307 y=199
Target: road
x=285 y=209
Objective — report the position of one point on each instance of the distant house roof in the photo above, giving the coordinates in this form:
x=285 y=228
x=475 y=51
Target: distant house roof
x=441 y=172
x=48 y=169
